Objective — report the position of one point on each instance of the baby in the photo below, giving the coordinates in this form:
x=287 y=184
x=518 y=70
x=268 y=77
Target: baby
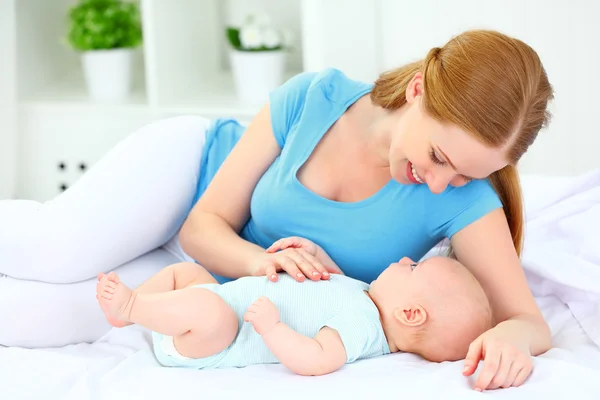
x=434 y=308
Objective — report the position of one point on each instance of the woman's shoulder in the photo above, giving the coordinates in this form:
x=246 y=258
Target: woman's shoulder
x=457 y=207
x=472 y=191
x=332 y=82
x=311 y=97
x=340 y=87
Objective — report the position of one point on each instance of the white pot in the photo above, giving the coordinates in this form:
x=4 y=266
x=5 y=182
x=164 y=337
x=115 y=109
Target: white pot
x=256 y=74
x=108 y=73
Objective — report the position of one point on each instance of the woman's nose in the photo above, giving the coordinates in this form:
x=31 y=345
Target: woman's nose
x=438 y=182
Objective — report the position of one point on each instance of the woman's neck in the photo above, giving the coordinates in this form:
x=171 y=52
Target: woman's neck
x=375 y=130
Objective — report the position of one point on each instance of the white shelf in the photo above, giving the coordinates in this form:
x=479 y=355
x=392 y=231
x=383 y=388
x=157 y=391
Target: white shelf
x=212 y=99
x=70 y=91
x=181 y=68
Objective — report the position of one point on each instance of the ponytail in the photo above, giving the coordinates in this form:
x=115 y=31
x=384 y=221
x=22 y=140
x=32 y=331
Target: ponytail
x=508 y=186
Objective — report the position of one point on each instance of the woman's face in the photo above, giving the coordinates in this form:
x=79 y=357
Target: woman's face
x=424 y=151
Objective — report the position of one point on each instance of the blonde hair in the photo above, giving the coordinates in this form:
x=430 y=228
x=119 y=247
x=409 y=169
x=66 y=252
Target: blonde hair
x=490 y=85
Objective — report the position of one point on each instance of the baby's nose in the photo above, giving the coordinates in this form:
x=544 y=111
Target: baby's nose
x=406 y=260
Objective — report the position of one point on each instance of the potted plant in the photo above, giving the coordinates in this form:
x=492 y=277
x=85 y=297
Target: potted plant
x=106 y=32
x=257 y=58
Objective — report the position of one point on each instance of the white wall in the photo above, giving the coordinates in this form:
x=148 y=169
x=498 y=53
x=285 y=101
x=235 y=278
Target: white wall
x=367 y=38
x=8 y=134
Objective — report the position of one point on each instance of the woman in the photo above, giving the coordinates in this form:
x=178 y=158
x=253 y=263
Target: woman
x=371 y=173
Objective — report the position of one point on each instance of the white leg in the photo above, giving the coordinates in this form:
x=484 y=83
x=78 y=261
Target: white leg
x=39 y=314
x=132 y=201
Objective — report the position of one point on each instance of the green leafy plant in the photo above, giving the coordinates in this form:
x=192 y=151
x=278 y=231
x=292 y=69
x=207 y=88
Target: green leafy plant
x=104 y=25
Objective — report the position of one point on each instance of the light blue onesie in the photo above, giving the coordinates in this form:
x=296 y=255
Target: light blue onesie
x=340 y=303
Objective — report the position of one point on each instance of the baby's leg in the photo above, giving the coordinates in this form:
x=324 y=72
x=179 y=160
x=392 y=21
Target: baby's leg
x=201 y=323
x=173 y=277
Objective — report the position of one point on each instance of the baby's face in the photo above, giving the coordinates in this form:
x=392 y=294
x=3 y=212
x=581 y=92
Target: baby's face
x=452 y=306
x=408 y=277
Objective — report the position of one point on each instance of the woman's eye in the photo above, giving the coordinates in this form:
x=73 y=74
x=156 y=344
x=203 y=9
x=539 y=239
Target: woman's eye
x=435 y=158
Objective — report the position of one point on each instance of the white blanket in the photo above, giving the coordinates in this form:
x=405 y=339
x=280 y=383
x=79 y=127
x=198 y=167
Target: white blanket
x=562 y=262
x=562 y=249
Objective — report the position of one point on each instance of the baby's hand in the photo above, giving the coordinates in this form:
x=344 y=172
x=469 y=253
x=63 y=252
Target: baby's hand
x=263 y=315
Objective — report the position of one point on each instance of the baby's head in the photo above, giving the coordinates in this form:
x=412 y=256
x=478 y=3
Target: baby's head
x=434 y=309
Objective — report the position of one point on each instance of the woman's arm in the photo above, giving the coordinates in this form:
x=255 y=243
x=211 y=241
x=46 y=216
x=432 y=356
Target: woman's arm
x=210 y=235
x=485 y=247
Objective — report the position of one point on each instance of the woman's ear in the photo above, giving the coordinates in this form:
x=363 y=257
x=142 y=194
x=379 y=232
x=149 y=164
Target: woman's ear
x=414 y=88
x=413 y=315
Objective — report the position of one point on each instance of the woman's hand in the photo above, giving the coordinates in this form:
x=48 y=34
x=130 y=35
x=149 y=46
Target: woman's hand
x=299 y=257
x=295 y=242
x=506 y=358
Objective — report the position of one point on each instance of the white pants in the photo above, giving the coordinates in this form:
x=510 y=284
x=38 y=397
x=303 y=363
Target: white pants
x=130 y=203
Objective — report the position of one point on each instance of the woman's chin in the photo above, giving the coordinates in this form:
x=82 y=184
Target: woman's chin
x=399 y=174
x=401 y=179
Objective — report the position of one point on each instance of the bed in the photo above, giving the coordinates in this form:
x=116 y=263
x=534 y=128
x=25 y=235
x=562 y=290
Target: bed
x=562 y=263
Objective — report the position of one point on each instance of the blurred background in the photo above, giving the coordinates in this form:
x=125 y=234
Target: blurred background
x=76 y=77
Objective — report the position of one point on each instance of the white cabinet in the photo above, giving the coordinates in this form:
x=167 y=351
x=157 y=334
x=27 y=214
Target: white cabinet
x=51 y=128
x=59 y=144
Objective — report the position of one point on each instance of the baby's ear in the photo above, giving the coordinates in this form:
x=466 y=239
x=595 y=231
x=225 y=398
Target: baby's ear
x=412 y=315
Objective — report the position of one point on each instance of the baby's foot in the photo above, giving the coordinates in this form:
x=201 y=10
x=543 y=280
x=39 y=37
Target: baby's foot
x=114 y=298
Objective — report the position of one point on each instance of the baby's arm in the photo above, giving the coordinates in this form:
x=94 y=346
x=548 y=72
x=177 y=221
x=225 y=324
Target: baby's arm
x=301 y=354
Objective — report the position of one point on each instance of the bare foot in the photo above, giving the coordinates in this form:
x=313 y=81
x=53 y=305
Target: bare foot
x=113 y=297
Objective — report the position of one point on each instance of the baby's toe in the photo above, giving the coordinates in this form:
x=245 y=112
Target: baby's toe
x=113 y=277
x=107 y=295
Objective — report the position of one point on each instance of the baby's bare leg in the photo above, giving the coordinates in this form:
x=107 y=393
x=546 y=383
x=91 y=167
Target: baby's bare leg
x=173 y=277
x=201 y=323
x=176 y=276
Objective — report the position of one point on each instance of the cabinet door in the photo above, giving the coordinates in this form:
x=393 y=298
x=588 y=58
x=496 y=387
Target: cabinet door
x=58 y=145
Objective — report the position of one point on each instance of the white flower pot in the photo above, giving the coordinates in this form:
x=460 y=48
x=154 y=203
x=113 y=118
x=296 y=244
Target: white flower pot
x=108 y=73
x=256 y=74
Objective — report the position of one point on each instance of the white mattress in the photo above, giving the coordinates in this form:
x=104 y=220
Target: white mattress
x=563 y=270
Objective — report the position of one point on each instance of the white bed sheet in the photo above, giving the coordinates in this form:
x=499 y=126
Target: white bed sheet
x=121 y=365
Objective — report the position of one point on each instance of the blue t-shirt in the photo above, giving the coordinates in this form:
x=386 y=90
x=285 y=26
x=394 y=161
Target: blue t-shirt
x=362 y=237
